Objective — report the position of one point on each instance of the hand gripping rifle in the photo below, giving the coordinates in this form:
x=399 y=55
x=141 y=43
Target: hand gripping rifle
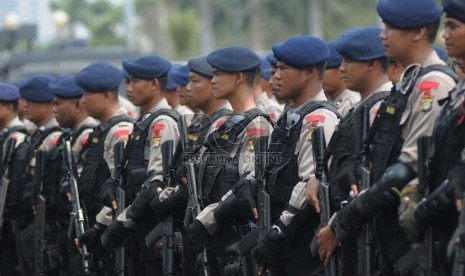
x=424 y=145
x=8 y=148
x=249 y=241
x=40 y=244
x=365 y=239
x=168 y=252
x=77 y=214
x=319 y=146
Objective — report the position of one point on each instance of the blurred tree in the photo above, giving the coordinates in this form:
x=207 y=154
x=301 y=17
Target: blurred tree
x=101 y=17
x=184 y=29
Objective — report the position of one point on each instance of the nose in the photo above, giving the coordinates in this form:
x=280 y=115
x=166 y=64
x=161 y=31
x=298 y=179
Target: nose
x=383 y=34
x=188 y=86
x=343 y=67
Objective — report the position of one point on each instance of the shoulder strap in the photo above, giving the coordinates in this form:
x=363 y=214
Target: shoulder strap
x=21 y=129
x=375 y=98
x=164 y=111
x=314 y=105
x=440 y=68
x=75 y=134
x=44 y=135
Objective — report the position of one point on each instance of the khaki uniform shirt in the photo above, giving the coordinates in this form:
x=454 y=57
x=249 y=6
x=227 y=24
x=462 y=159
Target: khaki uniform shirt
x=346 y=101
x=18 y=136
x=270 y=107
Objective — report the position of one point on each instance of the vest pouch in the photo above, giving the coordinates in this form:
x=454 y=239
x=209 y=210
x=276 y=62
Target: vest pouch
x=135 y=178
x=212 y=175
x=281 y=181
x=231 y=177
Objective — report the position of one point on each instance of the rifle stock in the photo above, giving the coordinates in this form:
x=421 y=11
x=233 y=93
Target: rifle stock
x=319 y=146
x=77 y=216
x=8 y=148
x=168 y=252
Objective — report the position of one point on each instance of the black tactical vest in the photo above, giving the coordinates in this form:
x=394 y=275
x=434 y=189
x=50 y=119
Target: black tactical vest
x=218 y=171
x=19 y=175
x=448 y=138
x=384 y=135
x=282 y=172
x=5 y=134
x=136 y=167
x=95 y=170
x=342 y=146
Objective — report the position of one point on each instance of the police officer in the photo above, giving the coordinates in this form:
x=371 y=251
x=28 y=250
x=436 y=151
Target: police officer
x=446 y=168
x=11 y=128
x=333 y=84
x=39 y=103
x=272 y=82
x=262 y=101
x=227 y=155
x=403 y=117
x=173 y=200
x=284 y=250
x=363 y=69
x=99 y=83
x=180 y=75
x=70 y=113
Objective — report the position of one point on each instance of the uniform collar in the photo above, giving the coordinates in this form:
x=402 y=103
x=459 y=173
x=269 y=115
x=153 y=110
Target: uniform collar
x=320 y=96
x=159 y=105
x=432 y=59
x=87 y=121
x=261 y=99
x=14 y=122
x=50 y=123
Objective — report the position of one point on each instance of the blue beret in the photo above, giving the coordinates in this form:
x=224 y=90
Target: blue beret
x=181 y=75
x=234 y=59
x=265 y=69
x=36 y=89
x=454 y=9
x=270 y=57
x=408 y=14
x=301 y=51
x=147 y=67
x=125 y=73
x=8 y=93
x=171 y=84
x=201 y=66
x=335 y=59
x=361 y=44
x=99 y=77
x=440 y=52
x=65 y=88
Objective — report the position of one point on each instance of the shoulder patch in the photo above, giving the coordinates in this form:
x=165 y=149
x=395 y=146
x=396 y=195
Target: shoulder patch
x=120 y=133
x=426 y=87
x=255 y=132
x=219 y=123
x=315 y=119
x=84 y=141
x=55 y=141
x=157 y=129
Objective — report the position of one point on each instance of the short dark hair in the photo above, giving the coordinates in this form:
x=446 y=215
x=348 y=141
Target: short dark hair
x=320 y=67
x=251 y=75
x=432 y=30
x=115 y=93
x=384 y=63
x=163 y=81
x=15 y=105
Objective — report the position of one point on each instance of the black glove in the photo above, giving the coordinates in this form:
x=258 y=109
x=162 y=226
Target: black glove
x=108 y=192
x=177 y=201
x=65 y=188
x=457 y=180
x=270 y=247
x=348 y=173
x=116 y=234
x=91 y=237
x=197 y=234
x=246 y=194
x=140 y=209
x=227 y=209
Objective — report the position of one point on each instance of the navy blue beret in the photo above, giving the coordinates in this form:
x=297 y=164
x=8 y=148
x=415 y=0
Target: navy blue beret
x=171 y=84
x=125 y=73
x=8 y=93
x=301 y=51
x=440 y=52
x=181 y=75
x=99 y=77
x=147 y=67
x=36 y=89
x=408 y=14
x=361 y=44
x=265 y=69
x=201 y=66
x=234 y=59
x=335 y=59
x=270 y=57
x=65 y=88
x=454 y=9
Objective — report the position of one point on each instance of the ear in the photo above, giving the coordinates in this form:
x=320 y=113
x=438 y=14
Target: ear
x=309 y=72
x=240 y=77
x=419 y=33
x=371 y=65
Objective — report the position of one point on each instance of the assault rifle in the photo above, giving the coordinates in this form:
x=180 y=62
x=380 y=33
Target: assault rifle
x=76 y=226
x=120 y=257
x=459 y=254
x=319 y=146
x=40 y=244
x=365 y=240
x=168 y=252
x=8 y=148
